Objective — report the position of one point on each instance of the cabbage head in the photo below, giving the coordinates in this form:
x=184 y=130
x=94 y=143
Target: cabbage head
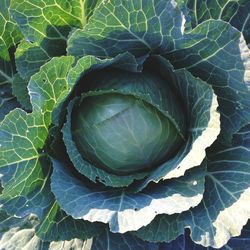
x=125 y=124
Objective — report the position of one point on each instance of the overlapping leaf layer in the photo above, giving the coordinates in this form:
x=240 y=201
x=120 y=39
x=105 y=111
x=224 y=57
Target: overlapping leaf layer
x=51 y=55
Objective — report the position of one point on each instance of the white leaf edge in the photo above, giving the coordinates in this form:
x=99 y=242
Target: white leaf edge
x=198 y=152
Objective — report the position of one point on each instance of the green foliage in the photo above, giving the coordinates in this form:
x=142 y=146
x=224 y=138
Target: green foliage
x=123 y=122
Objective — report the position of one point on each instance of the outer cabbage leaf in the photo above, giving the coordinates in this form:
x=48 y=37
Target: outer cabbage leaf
x=24 y=170
x=55 y=226
x=234 y=12
x=19 y=234
x=217 y=53
x=125 y=211
x=29 y=58
x=45 y=25
x=134 y=26
x=202 y=130
x=184 y=242
x=49 y=87
x=24 y=166
x=9 y=37
x=226 y=197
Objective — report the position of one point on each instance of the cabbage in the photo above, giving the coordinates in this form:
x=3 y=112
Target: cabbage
x=124 y=123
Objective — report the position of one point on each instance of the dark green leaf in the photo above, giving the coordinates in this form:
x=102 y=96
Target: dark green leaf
x=226 y=197
x=135 y=26
x=25 y=171
x=125 y=211
x=89 y=6
x=57 y=225
x=9 y=37
x=200 y=104
x=234 y=12
x=111 y=241
x=49 y=87
x=20 y=91
x=29 y=58
x=217 y=53
x=7 y=100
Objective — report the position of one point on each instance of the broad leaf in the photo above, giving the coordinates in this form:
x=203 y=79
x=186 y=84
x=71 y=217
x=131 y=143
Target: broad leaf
x=29 y=58
x=226 y=197
x=217 y=53
x=134 y=26
x=125 y=211
x=24 y=165
x=24 y=170
x=227 y=194
x=19 y=234
x=55 y=226
x=47 y=23
x=164 y=228
x=49 y=87
x=184 y=242
x=9 y=37
x=234 y=12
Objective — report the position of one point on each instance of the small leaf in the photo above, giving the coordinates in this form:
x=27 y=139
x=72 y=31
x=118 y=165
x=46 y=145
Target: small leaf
x=7 y=101
x=10 y=34
x=20 y=91
x=49 y=87
x=29 y=58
